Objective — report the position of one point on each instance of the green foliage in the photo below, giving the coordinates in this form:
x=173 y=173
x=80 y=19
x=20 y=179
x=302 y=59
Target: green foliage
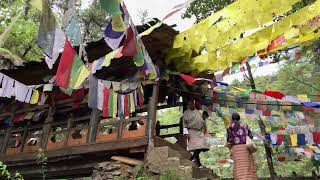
x=5 y=174
x=42 y=160
x=294 y=78
x=201 y=9
x=22 y=37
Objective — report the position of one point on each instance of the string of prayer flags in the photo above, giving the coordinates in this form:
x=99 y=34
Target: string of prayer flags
x=113 y=38
x=65 y=66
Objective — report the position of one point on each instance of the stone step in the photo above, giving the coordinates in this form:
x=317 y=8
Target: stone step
x=200 y=173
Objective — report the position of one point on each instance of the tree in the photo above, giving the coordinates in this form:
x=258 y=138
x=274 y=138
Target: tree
x=144 y=16
x=201 y=9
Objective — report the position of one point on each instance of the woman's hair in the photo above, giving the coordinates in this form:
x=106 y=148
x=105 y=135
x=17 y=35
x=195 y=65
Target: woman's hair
x=236 y=118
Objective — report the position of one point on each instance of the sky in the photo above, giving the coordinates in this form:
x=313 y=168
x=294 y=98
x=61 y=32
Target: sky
x=156 y=9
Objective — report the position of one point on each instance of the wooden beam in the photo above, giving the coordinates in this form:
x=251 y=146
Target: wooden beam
x=93 y=125
x=77 y=150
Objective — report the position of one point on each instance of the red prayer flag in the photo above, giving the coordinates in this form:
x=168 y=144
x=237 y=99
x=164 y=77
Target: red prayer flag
x=189 y=79
x=316 y=137
x=129 y=47
x=65 y=66
x=105 y=112
x=126 y=106
x=272 y=45
x=280 y=40
x=298 y=55
x=280 y=139
x=274 y=94
x=140 y=99
x=266 y=113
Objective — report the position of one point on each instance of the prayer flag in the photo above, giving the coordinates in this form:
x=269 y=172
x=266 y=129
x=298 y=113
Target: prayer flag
x=126 y=106
x=108 y=57
x=316 y=137
x=83 y=74
x=105 y=112
x=118 y=23
x=129 y=47
x=93 y=86
x=115 y=105
x=34 y=97
x=189 y=79
x=112 y=7
x=301 y=140
x=139 y=58
x=65 y=66
x=280 y=139
x=47 y=29
x=73 y=31
x=75 y=71
x=274 y=94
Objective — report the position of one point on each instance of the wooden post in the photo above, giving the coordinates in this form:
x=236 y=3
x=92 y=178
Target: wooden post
x=8 y=131
x=263 y=131
x=152 y=112
x=46 y=127
x=69 y=129
x=24 y=137
x=93 y=125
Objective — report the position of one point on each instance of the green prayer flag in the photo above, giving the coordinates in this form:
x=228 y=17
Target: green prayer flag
x=110 y=103
x=286 y=140
x=75 y=71
x=73 y=31
x=139 y=58
x=112 y=7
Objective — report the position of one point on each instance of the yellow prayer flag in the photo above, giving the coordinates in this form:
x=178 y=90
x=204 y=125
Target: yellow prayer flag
x=115 y=104
x=118 y=24
x=303 y=97
x=84 y=73
x=34 y=97
x=108 y=57
x=294 y=139
x=148 y=31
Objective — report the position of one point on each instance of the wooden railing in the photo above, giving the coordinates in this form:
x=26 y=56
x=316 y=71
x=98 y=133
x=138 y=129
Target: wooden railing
x=14 y=140
x=176 y=135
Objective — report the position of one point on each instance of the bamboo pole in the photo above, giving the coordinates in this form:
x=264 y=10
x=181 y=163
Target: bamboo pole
x=263 y=131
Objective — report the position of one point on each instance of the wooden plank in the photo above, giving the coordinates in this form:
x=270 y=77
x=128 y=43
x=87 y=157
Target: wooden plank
x=169 y=126
x=127 y=160
x=83 y=149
